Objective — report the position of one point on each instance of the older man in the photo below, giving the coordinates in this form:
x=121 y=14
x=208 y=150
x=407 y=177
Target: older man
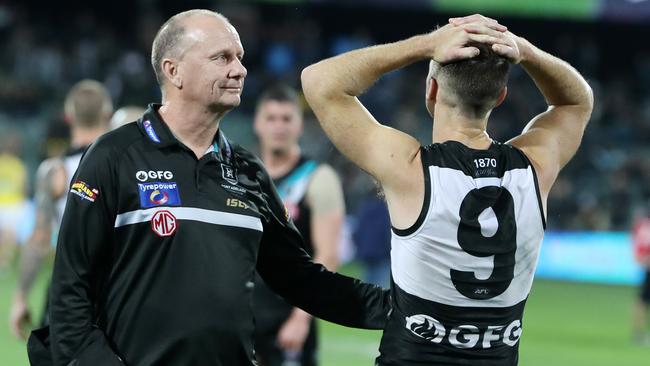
x=168 y=220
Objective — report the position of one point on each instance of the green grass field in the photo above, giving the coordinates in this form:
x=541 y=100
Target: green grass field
x=566 y=324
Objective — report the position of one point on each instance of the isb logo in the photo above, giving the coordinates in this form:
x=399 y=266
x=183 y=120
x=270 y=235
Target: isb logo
x=144 y=175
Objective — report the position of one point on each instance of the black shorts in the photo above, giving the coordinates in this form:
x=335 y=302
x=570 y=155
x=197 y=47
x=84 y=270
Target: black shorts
x=645 y=288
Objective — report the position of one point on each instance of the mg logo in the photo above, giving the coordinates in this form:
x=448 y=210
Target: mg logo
x=163 y=223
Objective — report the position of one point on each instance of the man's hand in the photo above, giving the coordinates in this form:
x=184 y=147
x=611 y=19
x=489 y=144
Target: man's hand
x=508 y=45
x=451 y=41
x=19 y=318
x=294 y=331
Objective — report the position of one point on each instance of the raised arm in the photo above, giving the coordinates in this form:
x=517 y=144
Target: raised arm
x=332 y=86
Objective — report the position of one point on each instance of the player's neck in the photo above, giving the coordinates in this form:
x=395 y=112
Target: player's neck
x=193 y=125
x=81 y=137
x=449 y=124
x=279 y=163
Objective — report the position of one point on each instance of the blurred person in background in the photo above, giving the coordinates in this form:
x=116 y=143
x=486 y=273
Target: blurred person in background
x=641 y=244
x=468 y=213
x=312 y=193
x=13 y=204
x=124 y=115
x=371 y=237
x=168 y=221
x=87 y=110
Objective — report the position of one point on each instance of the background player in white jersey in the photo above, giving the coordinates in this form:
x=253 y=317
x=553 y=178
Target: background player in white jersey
x=313 y=195
x=467 y=212
x=88 y=109
x=124 y=115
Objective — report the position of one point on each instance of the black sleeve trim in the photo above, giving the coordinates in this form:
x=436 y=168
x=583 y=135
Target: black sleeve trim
x=426 y=202
x=537 y=191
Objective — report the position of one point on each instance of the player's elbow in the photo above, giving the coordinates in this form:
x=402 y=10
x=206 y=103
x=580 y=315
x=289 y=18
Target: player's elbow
x=588 y=99
x=316 y=87
x=310 y=83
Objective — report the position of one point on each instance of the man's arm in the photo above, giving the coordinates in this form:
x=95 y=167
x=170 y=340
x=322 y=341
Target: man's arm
x=288 y=270
x=82 y=259
x=327 y=206
x=50 y=182
x=332 y=86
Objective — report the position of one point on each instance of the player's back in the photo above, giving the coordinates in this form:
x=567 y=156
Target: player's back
x=463 y=271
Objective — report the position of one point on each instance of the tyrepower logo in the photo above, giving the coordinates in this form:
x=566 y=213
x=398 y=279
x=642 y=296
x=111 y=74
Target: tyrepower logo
x=144 y=175
x=464 y=336
x=163 y=223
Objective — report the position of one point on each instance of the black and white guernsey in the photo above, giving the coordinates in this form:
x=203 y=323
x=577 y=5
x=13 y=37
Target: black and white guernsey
x=463 y=271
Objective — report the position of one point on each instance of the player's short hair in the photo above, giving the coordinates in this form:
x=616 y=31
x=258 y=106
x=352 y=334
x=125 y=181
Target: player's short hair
x=474 y=83
x=88 y=104
x=280 y=93
x=168 y=42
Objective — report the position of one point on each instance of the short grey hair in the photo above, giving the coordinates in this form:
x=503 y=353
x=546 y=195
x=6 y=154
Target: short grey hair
x=168 y=40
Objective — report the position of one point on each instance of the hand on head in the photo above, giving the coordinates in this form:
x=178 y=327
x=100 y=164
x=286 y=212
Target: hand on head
x=455 y=39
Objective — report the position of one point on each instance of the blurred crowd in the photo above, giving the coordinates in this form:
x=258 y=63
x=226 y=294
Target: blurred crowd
x=43 y=51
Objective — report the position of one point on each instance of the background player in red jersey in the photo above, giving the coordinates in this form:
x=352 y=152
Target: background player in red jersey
x=641 y=242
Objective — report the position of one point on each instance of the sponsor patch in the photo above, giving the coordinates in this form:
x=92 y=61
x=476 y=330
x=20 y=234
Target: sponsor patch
x=163 y=223
x=144 y=175
x=82 y=190
x=150 y=131
x=158 y=194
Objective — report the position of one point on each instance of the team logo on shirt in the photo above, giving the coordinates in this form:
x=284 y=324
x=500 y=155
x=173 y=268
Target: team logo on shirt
x=82 y=190
x=229 y=174
x=159 y=193
x=163 y=223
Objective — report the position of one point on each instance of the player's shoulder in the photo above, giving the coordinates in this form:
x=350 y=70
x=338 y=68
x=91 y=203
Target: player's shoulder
x=113 y=143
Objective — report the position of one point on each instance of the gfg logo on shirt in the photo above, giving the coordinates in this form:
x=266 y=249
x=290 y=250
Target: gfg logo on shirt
x=143 y=175
x=464 y=336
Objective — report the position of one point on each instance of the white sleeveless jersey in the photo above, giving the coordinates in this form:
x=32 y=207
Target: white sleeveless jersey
x=463 y=271
x=70 y=163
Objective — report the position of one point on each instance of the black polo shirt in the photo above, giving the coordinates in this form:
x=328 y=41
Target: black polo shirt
x=157 y=250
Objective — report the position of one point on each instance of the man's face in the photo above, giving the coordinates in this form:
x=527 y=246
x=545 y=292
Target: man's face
x=210 y=68
x=278 y=125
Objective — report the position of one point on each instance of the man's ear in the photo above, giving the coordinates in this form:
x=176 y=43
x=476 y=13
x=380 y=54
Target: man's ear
x=170 y=68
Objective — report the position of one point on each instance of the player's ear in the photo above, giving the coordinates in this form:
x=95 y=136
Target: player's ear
x=502 y=96
x=432 y=90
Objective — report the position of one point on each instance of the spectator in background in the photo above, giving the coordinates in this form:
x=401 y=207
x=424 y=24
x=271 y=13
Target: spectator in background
x=313 y=195
x=126 y=115
x=372 y=240
x=87 y=109
x=13 y=183
x=641 y=242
